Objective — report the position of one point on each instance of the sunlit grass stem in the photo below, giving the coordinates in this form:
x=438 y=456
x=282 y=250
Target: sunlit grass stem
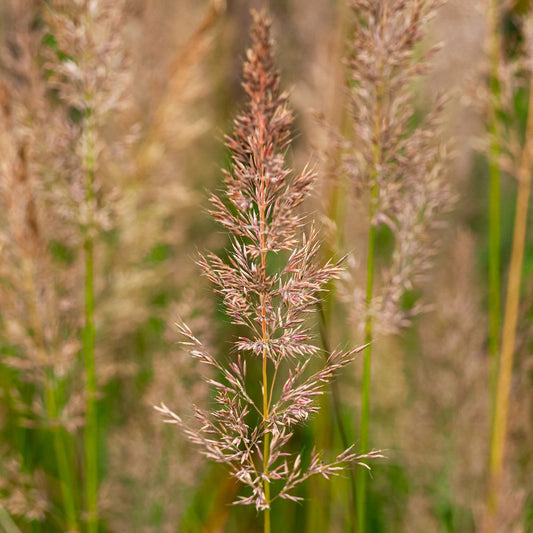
x=505 y=370
x=266 y=445
x=91 y=429
x=494 y=198
x=365 y=386
x=265 y=340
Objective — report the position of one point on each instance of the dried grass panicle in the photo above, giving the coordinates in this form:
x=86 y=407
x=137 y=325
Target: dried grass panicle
x=259 y=211
x=22 y=494
x=89 y=70
x=33 y=293
x=94 y=162
x=405 y=163
x=39 y=320
x=88 y=67
x=75 y=52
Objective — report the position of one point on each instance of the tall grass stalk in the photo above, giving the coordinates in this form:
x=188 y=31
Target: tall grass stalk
x=371 y=250
x=265 y=338
x=91 y=428
x=494 y=197
x=395 y=164
x=365 y=387
x=505 y=369
x=89 y=68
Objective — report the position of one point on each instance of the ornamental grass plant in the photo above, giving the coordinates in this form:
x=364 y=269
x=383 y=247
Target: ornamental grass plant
x=395 y=162
x=74 y=184
x=356 y=303
x=270 y=282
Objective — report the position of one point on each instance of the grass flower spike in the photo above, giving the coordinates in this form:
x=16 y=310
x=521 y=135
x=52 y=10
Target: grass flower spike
x=270 y=302
x=396 y=164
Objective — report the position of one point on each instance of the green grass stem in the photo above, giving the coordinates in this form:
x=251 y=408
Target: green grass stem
x=505 y=370
x=267 y=392
x=91 y=428
x=365 y=387
x=494 y=198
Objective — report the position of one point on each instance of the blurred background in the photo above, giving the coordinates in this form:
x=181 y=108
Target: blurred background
x=165 y=81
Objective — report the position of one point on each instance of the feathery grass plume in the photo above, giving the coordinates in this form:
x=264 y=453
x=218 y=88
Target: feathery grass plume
x=48 y=130
x=181 y=86
x=89 y=69
x=395 y=167
x=39 y=321
x=21 y=494
x=246 y=433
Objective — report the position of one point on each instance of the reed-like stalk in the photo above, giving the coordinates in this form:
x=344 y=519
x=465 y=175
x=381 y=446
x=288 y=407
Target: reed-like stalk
x=262 y=207
x=397 y=169
x=365 y=386
x=494 y=196
x=505 y=370
x=89 y=69
x=91 y=427
x=374 y=174
x=266 y=450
